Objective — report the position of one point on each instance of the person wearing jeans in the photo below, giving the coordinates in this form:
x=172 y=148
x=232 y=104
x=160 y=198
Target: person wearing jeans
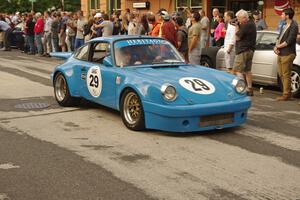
x=39 y=32
x=79 y=41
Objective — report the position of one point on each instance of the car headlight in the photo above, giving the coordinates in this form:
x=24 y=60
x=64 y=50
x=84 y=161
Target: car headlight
x=239 y=85
x=169 y=92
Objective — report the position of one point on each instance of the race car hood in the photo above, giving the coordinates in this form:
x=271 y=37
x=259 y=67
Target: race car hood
x=193 y=83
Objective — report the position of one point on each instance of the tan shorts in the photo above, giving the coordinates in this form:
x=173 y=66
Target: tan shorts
x=243 y=61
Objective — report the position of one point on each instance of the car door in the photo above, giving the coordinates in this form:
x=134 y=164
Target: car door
x=81 y=56
x=98 y=80
x=265 y=60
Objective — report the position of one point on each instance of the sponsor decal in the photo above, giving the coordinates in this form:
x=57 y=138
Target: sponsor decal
x=94 y=81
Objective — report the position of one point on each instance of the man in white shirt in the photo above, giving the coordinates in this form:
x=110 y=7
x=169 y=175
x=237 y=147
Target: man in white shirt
x=229 y=41
x=204 y=29
x=47 y=35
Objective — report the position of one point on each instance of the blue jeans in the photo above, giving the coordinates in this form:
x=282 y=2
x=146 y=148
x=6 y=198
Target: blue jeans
x=39 y=43
x=72 y=38
x=78 y=43
x=30 y=39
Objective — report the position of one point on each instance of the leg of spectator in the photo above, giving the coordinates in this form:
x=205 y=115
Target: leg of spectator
x=286 y=74
x=68 y=43
x=72 y=43
x=39 y=43
x=31 y=44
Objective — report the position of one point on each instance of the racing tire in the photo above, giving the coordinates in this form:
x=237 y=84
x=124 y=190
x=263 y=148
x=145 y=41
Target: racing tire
x=206 y=62
x=132 y=111
x=295 y=81
x=62 y=93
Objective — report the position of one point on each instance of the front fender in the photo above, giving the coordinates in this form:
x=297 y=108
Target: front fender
x=147 y=91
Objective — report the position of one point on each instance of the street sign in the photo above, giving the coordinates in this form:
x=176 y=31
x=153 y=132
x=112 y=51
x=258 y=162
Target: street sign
x=32 y=1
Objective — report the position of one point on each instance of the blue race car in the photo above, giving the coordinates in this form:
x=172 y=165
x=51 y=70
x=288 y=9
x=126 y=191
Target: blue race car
x=146 y=79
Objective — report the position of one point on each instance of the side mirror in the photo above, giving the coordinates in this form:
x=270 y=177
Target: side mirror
x=107 y=61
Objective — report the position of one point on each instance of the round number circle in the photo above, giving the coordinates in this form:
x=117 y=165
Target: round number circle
x=94 y=81
x=197 y=85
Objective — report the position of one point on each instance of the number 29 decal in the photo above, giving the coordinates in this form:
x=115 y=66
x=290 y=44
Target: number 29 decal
x=197 y=85
x=94 y=81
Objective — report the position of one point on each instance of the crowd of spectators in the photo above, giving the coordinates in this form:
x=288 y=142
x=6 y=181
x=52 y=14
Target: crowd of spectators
x=65 y=31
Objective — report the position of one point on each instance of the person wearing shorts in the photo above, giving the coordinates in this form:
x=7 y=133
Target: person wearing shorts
x=245 y=46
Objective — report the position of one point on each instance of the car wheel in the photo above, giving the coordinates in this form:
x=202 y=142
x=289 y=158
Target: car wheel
x=206 y=62
x=132 y=111
x=62 y=93
x=295 y=81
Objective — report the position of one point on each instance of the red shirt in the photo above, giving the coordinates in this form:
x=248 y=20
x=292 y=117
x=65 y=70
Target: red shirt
x=39 y=26
x=169 y=32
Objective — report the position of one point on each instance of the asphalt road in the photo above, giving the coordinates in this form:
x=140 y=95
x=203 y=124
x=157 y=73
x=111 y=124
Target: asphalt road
x=85 y=152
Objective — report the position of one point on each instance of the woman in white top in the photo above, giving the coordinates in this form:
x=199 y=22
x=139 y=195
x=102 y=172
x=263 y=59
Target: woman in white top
x=229 y=41
x=132 y=26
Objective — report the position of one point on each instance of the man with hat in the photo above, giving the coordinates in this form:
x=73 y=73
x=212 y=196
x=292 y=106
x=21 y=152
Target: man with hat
x=167 y=28
x=97 y=30
x=259 y=22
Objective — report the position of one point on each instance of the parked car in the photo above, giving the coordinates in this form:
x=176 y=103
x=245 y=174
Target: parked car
x=264 y=68
x=146 y=79
x=17 y=38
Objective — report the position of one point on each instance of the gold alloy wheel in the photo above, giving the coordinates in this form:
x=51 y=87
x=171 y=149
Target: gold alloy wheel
x=60 y=88
x=132 y=108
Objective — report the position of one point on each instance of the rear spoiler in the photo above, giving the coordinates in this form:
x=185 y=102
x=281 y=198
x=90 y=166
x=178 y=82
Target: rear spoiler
x=61 y=55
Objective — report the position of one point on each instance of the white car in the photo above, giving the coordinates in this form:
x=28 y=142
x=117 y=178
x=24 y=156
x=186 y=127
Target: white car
x=264 y=67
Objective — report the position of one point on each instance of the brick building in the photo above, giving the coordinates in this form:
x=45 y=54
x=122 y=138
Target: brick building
x=268 y=7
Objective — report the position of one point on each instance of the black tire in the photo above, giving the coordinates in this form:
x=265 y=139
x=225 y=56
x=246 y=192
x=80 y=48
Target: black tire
x=132 y=111
x=295 y=81
x=62 y=93
x=206 y=62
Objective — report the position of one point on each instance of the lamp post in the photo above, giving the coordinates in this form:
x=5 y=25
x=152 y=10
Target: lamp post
x=32 y=4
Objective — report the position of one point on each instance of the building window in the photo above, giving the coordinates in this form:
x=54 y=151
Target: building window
x=193 y=4
x=220 y=4
x=95 y=4
x=115 y=5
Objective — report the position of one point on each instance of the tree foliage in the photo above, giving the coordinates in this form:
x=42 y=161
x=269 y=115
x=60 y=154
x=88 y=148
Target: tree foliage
x=10 y=6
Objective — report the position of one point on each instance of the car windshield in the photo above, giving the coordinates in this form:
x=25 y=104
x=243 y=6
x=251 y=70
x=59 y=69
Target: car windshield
x=135 y=52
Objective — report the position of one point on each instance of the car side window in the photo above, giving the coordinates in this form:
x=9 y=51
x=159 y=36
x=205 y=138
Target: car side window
x=82 y=53
x=99 y=51
x=267 y=41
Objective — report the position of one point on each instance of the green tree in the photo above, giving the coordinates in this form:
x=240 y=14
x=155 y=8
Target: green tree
x=40 y=5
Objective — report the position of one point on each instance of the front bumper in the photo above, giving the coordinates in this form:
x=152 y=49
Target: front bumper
x=187 y=118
